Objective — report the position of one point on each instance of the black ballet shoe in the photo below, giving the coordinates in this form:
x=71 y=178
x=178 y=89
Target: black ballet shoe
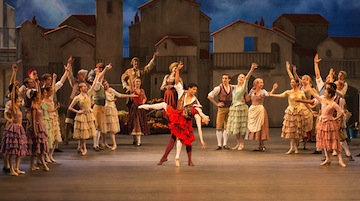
x=6 y=170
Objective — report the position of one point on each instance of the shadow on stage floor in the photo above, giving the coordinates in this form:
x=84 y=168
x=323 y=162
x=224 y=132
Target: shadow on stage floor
x=131 y=173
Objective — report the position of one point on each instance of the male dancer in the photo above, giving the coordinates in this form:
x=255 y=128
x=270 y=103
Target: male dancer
x=224 y=92
x=99 y=106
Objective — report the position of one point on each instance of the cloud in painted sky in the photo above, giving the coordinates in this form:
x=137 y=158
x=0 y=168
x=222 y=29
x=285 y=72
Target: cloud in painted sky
x=343 y=15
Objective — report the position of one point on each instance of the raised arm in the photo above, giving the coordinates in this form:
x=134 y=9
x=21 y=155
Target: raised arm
x=70 y=76
x=296 y=76
x=287 y=65
x=331 y=75
x=96 y=84
x=316 y=66
x=13 y=91
x=54 y=76
x=151 y=63
x=253 y=67
x=65 y=75
x=177 y=72
x=275 y=86
x=102 y=73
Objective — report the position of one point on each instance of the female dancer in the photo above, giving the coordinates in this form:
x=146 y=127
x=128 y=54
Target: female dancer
x=180 y=122
x=306 y=88
x=328 y=126
x=258 y=123
x=112 y=119
x=84 y=125
x=238 y=112
x=36 y=133
x=45 y=91
x=14 y=142
x=137 y=122
x=170 y=95
x=53 y=117
x=294 y=120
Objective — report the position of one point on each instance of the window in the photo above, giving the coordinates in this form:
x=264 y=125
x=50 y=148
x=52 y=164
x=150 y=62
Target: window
x=328 y=53
x=165 y=45
x=250 y=44
x=109 y=7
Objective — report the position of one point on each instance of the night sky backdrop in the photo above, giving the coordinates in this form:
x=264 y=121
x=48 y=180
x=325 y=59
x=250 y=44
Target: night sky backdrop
x=343 y=15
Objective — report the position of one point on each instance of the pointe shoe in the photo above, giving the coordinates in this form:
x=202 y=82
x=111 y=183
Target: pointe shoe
x=342 y=164
x=289 y=152
x=52 y=160
x=83 y=153
x=34 y=168
x=14 y=174
x=350 y=158
x=236 y=147
x=113 y=148
x=296 y=151
x=190 y=163
x=105 y=145
x=19 y=171
x=177 y=162
x=241 y=147
x=326 y=162
x=162 y=161
x=46 y=168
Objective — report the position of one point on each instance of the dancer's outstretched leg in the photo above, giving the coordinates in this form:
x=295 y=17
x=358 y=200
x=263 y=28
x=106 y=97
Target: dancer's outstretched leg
x=156 y=106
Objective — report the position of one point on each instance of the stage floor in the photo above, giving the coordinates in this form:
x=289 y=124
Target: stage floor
x=131 y=173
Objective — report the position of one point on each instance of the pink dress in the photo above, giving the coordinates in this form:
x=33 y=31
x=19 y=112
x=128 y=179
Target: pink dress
x=14 y=140
x=37 y=144
x=328 y=128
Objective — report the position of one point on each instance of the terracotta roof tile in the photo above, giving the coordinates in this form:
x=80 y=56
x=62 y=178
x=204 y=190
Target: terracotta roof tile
x=153 y=1
x=88 y=20
x=305 y=18
x=255 y=25
x=178 y=40
x=70 y=27
x=347 y=41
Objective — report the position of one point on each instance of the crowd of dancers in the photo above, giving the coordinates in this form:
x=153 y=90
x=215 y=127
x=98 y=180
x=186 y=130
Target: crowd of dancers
x=92 y=113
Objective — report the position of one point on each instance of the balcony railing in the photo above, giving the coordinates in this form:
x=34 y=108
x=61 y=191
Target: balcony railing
x=8 y=44
x=351 y=67
x=163 y=62
x=242 y=60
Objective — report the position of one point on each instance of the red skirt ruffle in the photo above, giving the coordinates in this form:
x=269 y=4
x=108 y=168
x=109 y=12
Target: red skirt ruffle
x=179 y=126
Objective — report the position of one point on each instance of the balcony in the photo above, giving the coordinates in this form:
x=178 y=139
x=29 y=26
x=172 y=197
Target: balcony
x=8 y=45
x=7 y=55
x=242 y=60
x=163 y=62
x=351 y=67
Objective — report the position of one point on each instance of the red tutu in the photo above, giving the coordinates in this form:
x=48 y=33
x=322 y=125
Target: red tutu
x=179 y=126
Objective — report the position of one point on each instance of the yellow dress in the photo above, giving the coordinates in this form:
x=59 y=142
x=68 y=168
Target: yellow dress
x=84 y=124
